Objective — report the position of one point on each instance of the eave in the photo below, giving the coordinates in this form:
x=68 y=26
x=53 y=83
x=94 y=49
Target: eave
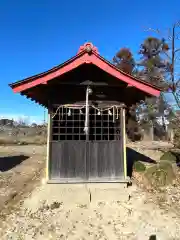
x=88 y=54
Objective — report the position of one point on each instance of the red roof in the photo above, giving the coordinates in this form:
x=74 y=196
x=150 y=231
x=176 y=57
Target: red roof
x=87 y=54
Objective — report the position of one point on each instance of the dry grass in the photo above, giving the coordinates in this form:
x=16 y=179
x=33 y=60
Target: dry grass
x=26 y=140
x=25 y=168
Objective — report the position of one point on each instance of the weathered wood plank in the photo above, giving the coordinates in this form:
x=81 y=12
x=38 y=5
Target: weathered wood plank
x=105 y=160
x=68 y=159
x=88 y=161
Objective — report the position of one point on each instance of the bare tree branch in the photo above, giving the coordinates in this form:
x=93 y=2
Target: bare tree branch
x=172 y=36
x=177 y=50
x=167 y=55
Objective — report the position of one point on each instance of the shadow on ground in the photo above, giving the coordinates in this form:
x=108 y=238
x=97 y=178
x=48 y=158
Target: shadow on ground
x=7 y=163
x=133 y=156
x=152 y=237
x=177 y=155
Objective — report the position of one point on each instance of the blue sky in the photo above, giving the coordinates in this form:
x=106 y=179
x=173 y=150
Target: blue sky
x=39 y=34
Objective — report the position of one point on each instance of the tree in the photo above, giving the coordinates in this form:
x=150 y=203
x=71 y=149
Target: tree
x=152 y=63
x=124 y=60
x=151 y=114
x=154 y=111
x=23 y=121
x=152 y=68
x=34 y=125
x=172 y=60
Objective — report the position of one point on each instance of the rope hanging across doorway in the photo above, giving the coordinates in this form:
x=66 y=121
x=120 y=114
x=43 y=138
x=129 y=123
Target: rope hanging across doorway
x=86 y=106
x=100 y=110
x=113 y=111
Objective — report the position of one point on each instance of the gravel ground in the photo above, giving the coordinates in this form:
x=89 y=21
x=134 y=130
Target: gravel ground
x=23 y=149
x=138 y=218
x=133 y=219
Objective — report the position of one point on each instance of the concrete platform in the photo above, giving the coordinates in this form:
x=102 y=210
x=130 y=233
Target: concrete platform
x=78 y=194
x=108 y=192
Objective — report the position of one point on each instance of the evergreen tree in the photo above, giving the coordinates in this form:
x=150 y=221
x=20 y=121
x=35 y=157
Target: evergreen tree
x=153 y=66
x=124 y=60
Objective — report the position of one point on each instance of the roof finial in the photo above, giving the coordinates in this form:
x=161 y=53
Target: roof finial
x=88 y=47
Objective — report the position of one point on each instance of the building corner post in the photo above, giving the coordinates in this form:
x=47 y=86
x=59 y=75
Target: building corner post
x=48 y=145
x=123 y=114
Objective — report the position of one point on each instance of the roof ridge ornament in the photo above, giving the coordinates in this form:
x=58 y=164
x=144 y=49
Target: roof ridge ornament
x=88 y=47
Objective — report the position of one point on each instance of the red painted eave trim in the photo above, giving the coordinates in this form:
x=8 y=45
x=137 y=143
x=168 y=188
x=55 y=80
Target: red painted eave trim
x=34 y=77
x=123 y=77
x=43 y=79
x=80 y=59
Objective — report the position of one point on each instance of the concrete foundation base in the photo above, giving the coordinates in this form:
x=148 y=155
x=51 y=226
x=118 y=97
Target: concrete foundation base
x=108 y=192
x=78 y=194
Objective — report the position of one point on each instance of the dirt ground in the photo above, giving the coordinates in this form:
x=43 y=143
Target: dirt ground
x=21 y=168
x=22 y=171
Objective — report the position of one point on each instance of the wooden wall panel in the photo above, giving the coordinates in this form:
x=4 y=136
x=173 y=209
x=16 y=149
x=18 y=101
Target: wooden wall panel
x=68 y=160
x=86 y=161
x=104 y=160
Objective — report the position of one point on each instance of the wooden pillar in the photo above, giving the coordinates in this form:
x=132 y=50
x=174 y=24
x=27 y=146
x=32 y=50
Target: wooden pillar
x=123 y=136
x=49 y=135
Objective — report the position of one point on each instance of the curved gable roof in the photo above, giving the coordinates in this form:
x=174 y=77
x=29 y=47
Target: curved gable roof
x=87 y=54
